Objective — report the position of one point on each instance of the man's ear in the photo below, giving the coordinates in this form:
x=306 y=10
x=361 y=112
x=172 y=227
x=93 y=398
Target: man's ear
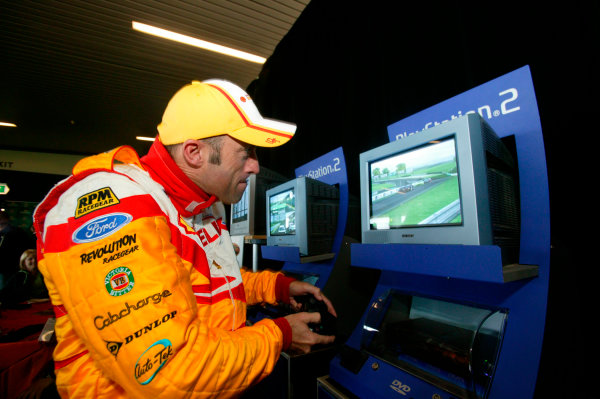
x=195 y=153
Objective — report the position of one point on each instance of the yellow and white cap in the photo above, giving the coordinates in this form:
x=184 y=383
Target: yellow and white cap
x=215 y=107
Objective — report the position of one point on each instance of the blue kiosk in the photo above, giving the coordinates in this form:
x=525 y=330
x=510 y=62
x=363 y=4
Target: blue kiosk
x=489 y=342
x=331 y=169
x=295 y=375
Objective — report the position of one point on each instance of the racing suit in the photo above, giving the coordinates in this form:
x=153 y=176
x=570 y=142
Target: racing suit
x=148 y=295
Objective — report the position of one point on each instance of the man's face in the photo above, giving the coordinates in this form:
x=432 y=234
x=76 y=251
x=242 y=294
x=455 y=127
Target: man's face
x=227 y=180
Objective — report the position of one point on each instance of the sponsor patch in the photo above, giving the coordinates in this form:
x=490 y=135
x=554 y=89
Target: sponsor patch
x=114 y=346
x=152 y=360
x=95 y=200
x=101 y=322
x=100 y=227
x=119 y=281
x=119 y=248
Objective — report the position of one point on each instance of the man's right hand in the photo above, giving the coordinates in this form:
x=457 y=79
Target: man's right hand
x=302 y=337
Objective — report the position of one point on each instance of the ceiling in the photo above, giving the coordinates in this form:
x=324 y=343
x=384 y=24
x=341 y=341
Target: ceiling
x=76 y=78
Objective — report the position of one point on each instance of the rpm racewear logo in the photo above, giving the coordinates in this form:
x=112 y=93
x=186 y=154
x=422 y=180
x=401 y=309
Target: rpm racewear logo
x=100 y=227
x=119 y=281
x=95 y=200
x=152 y=360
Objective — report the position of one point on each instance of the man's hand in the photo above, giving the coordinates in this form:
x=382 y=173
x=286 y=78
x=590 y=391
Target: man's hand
x=302 y=338
x=303 y=288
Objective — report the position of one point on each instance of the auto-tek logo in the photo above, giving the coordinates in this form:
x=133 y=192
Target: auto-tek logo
x=100 y=227
x=152 y=360
x=95 y=200
x=119 y=281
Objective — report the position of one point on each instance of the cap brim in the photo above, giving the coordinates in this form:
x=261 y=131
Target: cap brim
x=261 y=137
x=258 y=131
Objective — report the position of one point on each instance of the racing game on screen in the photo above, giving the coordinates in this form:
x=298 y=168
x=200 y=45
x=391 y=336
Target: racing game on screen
x=282 y=213
x=416 y=188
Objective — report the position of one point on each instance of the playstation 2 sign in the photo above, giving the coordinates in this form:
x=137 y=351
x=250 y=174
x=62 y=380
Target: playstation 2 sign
x=509 y=106
x=329 y=168
x=507 y=103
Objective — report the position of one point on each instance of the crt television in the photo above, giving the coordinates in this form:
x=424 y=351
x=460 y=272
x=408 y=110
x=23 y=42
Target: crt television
x=455 y=183
x=302 y=213
x=248 y=215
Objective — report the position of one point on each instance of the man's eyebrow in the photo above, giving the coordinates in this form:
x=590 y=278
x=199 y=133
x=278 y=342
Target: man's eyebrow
x=249 y=148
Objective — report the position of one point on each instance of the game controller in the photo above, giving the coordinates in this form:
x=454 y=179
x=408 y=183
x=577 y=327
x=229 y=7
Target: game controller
x=328 y=324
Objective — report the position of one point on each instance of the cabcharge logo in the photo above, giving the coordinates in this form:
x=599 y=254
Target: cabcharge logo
x=102 y=322
x=95 y=200
x=119 y=281
x=152 y=360
x=100 y=227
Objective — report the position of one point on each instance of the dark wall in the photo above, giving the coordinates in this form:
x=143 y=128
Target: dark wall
x=347 y=70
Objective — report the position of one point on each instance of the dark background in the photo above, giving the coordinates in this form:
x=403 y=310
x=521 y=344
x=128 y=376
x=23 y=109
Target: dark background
x=346 y=70
x=343 y=74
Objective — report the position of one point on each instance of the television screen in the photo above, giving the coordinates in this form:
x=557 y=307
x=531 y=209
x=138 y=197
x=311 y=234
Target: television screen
x=302 y=213
x=282 y=213
x=418 y=187
x=454 y=183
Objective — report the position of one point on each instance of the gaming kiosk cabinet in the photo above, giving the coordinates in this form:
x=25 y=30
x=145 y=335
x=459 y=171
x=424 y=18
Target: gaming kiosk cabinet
x=453 y=321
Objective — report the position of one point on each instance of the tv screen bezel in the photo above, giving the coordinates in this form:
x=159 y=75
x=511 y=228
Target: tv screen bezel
x=471 y=164
x=429 y=144
x=269 y=220
x=300 y=239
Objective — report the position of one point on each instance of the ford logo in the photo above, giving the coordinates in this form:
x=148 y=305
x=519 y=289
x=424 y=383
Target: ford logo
x=101 y=227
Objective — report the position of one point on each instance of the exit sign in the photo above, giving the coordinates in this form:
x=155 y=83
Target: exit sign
x=4 y=188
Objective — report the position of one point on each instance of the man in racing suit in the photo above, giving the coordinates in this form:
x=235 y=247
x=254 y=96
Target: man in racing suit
x=148 y=296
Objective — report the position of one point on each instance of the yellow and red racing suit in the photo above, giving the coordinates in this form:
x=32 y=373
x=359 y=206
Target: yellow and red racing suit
x=149 y=298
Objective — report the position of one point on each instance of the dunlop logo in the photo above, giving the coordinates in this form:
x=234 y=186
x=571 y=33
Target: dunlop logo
x=95 y=200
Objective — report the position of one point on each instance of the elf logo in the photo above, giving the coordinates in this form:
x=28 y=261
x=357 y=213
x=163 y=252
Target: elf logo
x=95 y=200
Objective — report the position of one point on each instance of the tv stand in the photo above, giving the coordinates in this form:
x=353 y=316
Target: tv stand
x=255 y=241
x=481 y=263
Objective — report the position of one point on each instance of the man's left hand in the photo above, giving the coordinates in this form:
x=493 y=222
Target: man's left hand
x=302 y=288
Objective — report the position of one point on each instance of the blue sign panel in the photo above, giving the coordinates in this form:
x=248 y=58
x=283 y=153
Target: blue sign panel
x=329 y=168
x=507 y=103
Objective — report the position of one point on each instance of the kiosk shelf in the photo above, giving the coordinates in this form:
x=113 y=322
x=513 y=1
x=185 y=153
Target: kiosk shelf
x=292 y=254
x=466 y=262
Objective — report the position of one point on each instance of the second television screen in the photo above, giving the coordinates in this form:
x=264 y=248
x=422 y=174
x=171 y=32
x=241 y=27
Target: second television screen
x=282 y=213
x=419 y=187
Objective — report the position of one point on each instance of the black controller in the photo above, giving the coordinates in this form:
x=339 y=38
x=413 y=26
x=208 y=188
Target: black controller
x=328 y=324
